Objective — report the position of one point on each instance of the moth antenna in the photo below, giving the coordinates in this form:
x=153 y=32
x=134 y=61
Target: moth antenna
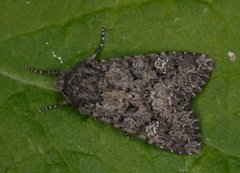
x=53 y=72
x=51 y=107
x=100 y=45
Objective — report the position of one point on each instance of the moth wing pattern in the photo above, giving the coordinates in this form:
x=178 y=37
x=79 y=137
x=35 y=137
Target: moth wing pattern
x=147 y=96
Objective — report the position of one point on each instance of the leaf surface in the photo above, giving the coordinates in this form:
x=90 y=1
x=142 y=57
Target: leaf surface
x=38 y=33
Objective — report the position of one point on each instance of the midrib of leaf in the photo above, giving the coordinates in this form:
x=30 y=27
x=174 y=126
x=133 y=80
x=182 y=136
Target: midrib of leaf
x=25 y=82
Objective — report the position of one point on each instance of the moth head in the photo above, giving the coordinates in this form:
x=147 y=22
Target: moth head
x=60 y=82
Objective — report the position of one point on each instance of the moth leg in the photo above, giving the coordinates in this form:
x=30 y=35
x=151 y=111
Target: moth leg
x=51 y=107
x=53 y=72
x=100 y=45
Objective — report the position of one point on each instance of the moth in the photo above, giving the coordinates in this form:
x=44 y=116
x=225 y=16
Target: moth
x=147 y=96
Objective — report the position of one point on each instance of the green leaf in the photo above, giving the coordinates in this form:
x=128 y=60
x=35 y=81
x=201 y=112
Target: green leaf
x=65 y=140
